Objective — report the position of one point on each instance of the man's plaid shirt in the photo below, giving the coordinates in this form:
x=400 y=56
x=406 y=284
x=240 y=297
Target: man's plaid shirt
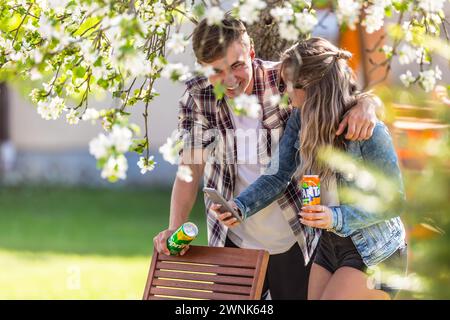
x=205 y=123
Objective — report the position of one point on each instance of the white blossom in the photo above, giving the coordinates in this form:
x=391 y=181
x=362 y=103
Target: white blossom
x=422 y=56
x=106 y=124
x=407 y=78
x=406 y=54
x=177 y=43
x=275 y=99
x=436 y=18
x=170 y=150
x=387 y=49
x=90 y=115
x=76 y=15
x=72 y=117
x=51 y=109
x=214 y=15
x=305 y=21
x=438 y=73
x=6 y=44
x=136 y=64
x=45 y=29
x=121 y=138
x=145 y=165
x=16 y=56
x=365 y=180
x=406 y=26
x=37 y=55
x=29 y=25
x=86 y=50
x=35 y=74
x=347 y=11
x=249 y=10
x=249 y=105
x=282 y=14
x=288 y=32
x=428 y=79
x=159 y=18
x=374 y=19
x=112 y=28
x=34 y=95
x=58 y=5
x=99 y=146
x=115 y=168
x=431 y=5
x=206 y=70
x=185 y=173
x=177 y=71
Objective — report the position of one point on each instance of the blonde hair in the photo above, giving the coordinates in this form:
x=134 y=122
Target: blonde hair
x=320 y=68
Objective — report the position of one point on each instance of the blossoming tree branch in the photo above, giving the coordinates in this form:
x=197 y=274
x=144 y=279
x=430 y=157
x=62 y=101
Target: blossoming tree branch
x=74 y=49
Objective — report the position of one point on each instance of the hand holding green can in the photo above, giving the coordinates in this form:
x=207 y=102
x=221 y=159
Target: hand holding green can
x=182 y=237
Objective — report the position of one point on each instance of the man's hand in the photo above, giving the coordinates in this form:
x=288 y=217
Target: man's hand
x=360 y=120
x=160 y=242
x=226 y=218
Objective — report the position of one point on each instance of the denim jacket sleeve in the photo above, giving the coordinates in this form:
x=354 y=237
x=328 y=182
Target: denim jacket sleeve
x=379 y=152
x=268 y=187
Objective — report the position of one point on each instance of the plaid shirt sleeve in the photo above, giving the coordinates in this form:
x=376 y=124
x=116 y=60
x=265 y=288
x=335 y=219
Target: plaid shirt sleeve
x=194 y=128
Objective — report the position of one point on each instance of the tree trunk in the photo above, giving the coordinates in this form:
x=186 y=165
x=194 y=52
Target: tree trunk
x=268 y=44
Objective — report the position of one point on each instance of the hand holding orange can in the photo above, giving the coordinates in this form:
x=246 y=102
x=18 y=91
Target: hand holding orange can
x=310 y=190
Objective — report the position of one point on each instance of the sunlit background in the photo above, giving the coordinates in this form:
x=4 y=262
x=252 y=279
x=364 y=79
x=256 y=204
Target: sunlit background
x=65 y=233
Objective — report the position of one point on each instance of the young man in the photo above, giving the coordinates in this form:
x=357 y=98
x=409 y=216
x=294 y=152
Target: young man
x=229 y=164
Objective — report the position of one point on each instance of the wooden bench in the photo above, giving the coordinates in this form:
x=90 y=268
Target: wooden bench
x=207 y=273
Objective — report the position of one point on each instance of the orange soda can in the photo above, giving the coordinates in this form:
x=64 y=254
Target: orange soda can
x=310 y=190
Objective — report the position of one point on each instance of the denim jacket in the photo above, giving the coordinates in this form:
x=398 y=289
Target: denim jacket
x=376 y=235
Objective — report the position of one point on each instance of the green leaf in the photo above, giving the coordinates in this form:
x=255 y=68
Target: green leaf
x=400 y=5
x=79 y=72
x=388 y=12
x=90 y=22
x=101 y=163
x=139 y=145
x=103 y=83
x=98 y=62
x=131 y=101
x=219 y=91
x=199 y=10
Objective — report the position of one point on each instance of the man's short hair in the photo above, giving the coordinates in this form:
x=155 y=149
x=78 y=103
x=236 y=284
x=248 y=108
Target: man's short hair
x=210 y=42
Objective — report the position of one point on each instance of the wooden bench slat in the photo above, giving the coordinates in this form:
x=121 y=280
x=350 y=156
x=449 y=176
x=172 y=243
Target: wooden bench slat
x=204 y=277
x=223 y=288
x=205 y=268
x=152 y=297
x=196 y=294
x=231 y=257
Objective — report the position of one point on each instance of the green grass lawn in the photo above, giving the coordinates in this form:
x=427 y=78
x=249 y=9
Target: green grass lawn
x=77 y=243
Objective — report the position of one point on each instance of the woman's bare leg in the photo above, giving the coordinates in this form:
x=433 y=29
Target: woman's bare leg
x=351 y=284
x=318 y=280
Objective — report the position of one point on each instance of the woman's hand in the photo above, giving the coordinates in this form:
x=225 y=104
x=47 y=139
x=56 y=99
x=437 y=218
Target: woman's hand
x=226 y=218
x=317 y=216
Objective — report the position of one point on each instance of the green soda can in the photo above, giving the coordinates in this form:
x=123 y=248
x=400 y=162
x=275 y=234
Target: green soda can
x=182 y=237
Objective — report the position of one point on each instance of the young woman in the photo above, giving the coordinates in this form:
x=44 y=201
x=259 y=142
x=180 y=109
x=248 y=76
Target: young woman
x=321 y=88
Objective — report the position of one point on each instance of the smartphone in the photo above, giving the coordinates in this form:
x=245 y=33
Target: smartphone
x=217 y=198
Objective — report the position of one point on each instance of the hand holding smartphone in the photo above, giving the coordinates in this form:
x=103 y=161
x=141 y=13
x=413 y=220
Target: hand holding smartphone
x=217 y=198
